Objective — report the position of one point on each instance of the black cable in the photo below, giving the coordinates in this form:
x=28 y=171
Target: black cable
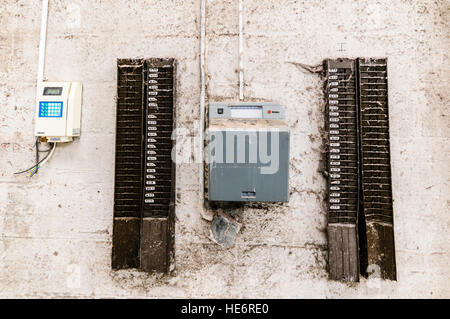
x=42 y=151
x=24 y=171
x=37 y=154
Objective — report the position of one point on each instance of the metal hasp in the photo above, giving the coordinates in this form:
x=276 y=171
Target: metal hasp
x=360 y=211
x=144 y=187
x=248 y=152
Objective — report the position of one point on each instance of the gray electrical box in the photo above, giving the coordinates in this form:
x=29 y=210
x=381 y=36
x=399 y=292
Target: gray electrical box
x=248 y=152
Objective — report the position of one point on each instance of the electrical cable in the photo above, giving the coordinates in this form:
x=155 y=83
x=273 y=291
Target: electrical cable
x=34 y=171
x=44 y=151
x=36 y=168
x=49 y=155
x=37 y=155
x=42 y=161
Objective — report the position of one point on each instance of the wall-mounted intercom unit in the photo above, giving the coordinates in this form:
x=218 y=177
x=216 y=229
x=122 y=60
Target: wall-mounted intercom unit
x=248 y=152
x=58 y=111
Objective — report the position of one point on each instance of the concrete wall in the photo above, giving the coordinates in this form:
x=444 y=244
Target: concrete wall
x=56 y=227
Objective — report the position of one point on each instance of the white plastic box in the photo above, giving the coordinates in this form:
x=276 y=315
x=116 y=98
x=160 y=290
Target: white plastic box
x=58 y=111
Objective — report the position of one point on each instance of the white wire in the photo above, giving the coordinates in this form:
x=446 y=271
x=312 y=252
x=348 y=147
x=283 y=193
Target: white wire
x=241 y=51
x=42 y=41
x=202 y=97
x=49 y=155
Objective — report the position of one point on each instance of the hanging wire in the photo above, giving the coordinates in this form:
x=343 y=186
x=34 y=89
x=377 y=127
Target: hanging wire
x=37 y=155
x=40 y=162
x=34 y=171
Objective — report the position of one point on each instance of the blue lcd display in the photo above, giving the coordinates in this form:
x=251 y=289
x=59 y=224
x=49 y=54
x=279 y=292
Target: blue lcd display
x=50 y=109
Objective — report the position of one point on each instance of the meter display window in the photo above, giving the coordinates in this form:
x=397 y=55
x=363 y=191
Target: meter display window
x=50 y=109
x=53 y=90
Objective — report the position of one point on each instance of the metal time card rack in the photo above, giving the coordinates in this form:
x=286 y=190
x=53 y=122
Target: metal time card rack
x=343 y=175
x=144 y=189
x=360 y=212
x=377 y=247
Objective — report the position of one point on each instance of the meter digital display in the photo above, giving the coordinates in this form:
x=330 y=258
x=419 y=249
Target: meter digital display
x=50 y=109
x=52 y=91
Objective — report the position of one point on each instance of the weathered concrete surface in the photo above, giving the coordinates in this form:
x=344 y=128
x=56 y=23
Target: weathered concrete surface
x=56 y=228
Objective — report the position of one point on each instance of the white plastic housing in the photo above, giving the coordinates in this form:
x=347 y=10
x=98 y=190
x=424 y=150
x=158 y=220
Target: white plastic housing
x=58 y=111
